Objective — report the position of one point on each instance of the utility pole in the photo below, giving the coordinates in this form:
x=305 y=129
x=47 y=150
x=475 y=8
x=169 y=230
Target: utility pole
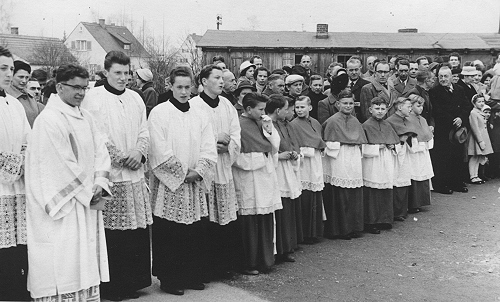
x=219 y=20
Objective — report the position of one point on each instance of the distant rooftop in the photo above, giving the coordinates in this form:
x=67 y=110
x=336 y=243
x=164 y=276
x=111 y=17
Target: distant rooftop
x=22 y=47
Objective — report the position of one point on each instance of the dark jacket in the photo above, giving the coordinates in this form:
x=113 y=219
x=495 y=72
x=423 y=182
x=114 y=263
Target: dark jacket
x=150 y=97
x=427 y=111
x=446 y=106
x=229 y=96
x=315 y=99
x=356 y=91
x=469 y=91
x=327 y=108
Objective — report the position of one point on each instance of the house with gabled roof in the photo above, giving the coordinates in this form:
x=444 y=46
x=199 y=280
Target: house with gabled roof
x=90 y=42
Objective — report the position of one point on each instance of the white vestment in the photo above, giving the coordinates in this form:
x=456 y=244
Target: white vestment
x=66 y=157
x=122 y=119
x=222 y=204
x=180 y=141
x=14 y=129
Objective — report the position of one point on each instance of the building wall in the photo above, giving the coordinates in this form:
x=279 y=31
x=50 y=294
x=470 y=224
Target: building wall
x=322 y=58
x=92 y=59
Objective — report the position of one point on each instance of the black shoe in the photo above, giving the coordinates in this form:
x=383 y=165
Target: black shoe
x=172 y=290
x=414 y=211
x=355 y=235
x=196 y=286
x=461 y=189
x=372 y=230
x=443 y=190
x=400 y=218
x=384 y=226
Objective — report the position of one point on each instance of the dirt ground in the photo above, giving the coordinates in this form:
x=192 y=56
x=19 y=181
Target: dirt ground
x=450 y=252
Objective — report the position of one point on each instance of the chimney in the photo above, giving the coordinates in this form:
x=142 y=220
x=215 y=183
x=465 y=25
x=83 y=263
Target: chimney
x=322 y=31
x=14 y=30
x=102 y=23
x=408 y=30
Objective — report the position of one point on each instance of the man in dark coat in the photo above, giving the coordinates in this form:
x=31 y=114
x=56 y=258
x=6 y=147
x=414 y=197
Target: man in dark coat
x=450 y=112
x=356 y=83
x=425 y=81
x=468 y=73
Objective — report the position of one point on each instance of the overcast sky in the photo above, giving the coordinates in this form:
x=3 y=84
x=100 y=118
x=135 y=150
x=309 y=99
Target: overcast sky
x=176 y=18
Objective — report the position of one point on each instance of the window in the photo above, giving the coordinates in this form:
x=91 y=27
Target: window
x=126 y=46
x=81 y=45
x=343 y=59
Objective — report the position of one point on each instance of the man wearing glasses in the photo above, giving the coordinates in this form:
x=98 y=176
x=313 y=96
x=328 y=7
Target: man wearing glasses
x=380 y=87
x=356 y=83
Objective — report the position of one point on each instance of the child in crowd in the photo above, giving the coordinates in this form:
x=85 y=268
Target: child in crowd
x=402 y=168
x=378 y=168
x=420 y=160
x=478 y=144
x=342 y=168
x=288 y=178
x=256 y=184
x=311 y=144
x=484 y=169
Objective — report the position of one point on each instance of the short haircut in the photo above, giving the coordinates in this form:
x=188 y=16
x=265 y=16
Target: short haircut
x=4 y=52
x=305 y=56
x=379 y=101
x=423 y=75
x=180 y=71
x=287 y=69
x=476 y=97
x=291 y=101
x=252 y=99
x=254 y=57
x=400 y=100
x=50 y=88
x=115 y=56
x=206 y=71
x=274 y=77
x=21 y=65
x=278 y=71
x=354 y=60
x=316 y=77
x=403 y=62
x=304 y=98
x=39 y=75
x=486 y=76
x=260 y=69
x=415 y=98
x=454 y=54
x=413 y=62
x=381 y=62
x=218 y=58
x=444 y=67
x=420 y=59
x=70 y=71
x=345 y=94
x=276 y=101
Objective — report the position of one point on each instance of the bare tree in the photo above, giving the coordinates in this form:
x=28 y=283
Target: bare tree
x=52 y=54
x=160 y=61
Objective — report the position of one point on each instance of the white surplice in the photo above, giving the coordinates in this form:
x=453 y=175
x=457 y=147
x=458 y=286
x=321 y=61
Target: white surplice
x=222 y=203
x=378 y=171
x=180 y=141
x=65 y=158
x=345 y=170
x=122 y=119
x=14 y=128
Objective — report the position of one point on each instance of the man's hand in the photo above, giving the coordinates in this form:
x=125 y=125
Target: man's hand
x=133 y=161
x=223 y=138
x=285 y=155
x=97 y=191
x=457 y=122
x=192 y=176
x=221 y=148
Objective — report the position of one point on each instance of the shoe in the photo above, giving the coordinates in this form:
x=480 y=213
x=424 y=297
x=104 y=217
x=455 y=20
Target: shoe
x=384 y=226
x=355 y=235
x=400 y=218
x=172 y=290
x=250 y=272
x=132 y=295
x=461 y=189
x=372 y=230
x=196 y=286
x=414 y=211
x=287 y=258
x=443 y=190
x=476 y=181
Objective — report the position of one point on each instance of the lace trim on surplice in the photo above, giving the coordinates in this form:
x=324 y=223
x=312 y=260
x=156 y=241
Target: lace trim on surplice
x=11 y=166
x=344 y=183
x=222 y=203
x=185 y=205
x=12 y=220
x=129 y=207
x=374 y=185
x=118 y=157
x=170 y=173
x=143 y=146
x=206 y=169
x=312 y=186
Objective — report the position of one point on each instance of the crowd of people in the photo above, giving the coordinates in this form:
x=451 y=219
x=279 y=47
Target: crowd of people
x=223 y=173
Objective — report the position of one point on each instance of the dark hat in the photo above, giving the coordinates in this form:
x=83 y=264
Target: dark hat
x=21 y=65
x=458 y=136
x=242 y=85
x=457 y=71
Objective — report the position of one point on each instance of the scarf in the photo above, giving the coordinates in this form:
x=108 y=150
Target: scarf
x=252 y=137
x=345 y=129
x=210 y=102
x=184 y=107
x=308 y=132
x=379 y=132
x=112 y=90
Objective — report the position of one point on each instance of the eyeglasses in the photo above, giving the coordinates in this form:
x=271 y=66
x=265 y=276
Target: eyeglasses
x=76 y=87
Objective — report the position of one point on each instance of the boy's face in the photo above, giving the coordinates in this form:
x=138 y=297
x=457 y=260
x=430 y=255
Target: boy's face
x=283 y=112
x=302 y=108
x=256 y=112
x=346 y=105
x=479 y=103
x=378 y=111
x=487 y=114
x=262 y=77
x=417 y=108
x=317 y=86
x=405 y=108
